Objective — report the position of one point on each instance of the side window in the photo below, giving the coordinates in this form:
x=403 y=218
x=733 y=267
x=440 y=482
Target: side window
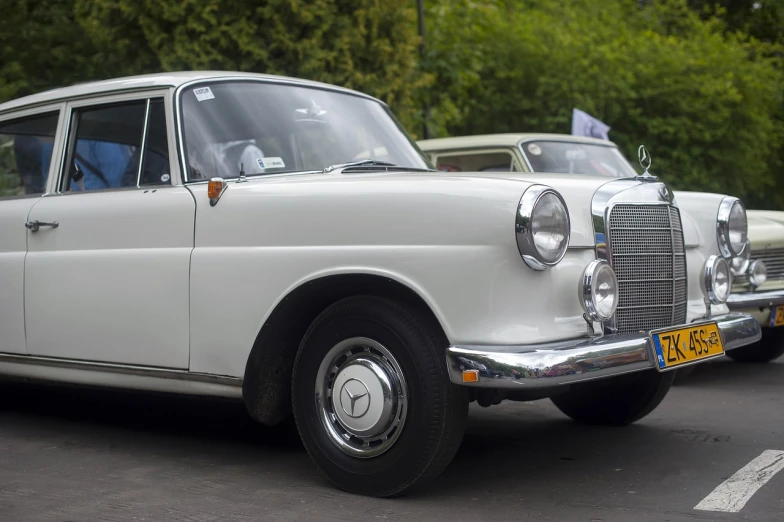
x=110 y=143
x=25 y=154
x=479 y=162
x=155 y=161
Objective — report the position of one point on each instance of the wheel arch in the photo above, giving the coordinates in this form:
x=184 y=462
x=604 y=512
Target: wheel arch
x=266 y=385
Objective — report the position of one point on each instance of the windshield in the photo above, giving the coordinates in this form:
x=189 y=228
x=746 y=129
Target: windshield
x=563 y=157
x=267 y=128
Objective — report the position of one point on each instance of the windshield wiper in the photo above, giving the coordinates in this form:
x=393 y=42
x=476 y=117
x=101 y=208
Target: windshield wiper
x=372 y=165
x=368 y=162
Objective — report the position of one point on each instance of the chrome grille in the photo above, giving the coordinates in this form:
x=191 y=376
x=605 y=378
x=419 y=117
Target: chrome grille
x=774 y=262
x=648 y=255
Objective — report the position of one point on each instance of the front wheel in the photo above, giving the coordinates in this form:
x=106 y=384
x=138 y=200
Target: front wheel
x=770 y=347
x=618 y=401
x=373 y=403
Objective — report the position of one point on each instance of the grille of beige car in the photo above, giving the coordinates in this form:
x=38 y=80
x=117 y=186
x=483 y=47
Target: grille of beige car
x=774 y=262
x=648 y=255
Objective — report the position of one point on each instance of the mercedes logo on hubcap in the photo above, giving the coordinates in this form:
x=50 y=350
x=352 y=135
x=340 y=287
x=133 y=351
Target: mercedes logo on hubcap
x=354 y=398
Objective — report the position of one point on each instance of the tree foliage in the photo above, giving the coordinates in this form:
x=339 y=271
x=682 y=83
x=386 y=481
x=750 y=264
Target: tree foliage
x=698 y=81
x=41 y=46
x=761 y=19
x=368 y=45
x=706 y=102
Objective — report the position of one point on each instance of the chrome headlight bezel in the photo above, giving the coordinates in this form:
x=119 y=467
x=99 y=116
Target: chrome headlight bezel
x=757 y=273
x=524 y=227
x=587 y=291
x=740 y=263
x=724 y=232
x=713 y=266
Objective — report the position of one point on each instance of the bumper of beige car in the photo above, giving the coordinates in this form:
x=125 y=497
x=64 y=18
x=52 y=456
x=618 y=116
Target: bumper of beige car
x=748 y=300
x=554 y=364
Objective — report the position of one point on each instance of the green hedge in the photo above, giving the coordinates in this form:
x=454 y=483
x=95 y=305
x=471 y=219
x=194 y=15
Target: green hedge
x=706 y=102
x=704 y=97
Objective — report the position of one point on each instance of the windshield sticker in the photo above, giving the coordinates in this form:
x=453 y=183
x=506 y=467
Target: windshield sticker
x=165 y=178
x=576 y=154
x=270 y=163
x=203 y=93
x=534 y=149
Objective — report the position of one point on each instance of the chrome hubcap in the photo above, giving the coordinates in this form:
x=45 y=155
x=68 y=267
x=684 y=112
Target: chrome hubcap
x=361 y=397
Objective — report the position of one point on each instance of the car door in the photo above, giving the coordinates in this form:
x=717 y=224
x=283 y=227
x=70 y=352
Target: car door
x=26 y=143
x=107 y=268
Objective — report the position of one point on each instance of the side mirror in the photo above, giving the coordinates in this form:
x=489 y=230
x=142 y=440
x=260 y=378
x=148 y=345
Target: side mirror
x=76 y=173
x=77 y=176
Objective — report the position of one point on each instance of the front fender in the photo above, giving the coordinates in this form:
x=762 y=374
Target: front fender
x=450 y=241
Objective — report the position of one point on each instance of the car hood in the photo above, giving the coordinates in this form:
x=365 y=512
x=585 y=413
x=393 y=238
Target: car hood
x=766 y=229
x=577 y=190
x=698 y=211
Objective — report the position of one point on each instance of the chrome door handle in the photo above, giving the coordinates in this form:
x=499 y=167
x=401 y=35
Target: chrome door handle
x=33 y=226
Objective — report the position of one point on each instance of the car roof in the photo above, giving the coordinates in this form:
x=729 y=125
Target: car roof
x=152 y=81
x=503 y=140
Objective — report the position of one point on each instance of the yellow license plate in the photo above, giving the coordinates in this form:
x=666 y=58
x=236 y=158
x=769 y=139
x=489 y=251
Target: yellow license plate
x=678 y=346
x=777 y=316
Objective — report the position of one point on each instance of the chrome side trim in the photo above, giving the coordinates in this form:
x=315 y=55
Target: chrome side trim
x=69 y=133
x=553 y=364
x=144 y=143
x=755 y=299
x=118 y=375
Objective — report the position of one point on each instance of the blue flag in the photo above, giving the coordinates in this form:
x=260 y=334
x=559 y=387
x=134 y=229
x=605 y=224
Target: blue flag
x=583 y=124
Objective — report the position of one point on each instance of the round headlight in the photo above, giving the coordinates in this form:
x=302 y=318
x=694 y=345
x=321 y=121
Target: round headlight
x=731 y=227
x=716 y=280
x=740 y=264
x=598 y=290
x=758 y=273
x=542 y=227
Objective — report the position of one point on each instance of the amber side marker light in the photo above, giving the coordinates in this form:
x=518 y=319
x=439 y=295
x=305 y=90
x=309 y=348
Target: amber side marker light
x=215 y=189
x=470 y=375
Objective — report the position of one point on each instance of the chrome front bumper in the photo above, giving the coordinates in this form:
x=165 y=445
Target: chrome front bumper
x=755 y=300
x=553 y=364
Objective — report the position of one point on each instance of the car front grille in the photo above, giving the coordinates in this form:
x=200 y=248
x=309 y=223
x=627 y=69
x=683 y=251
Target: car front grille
x=774 y=262
x=646 y=250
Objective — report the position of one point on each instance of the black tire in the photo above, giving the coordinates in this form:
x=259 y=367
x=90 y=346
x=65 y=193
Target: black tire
x=618 y=401
x=436 y=409
x=770 y=347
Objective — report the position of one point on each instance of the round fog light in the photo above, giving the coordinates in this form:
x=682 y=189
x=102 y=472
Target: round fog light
x=740 y=263
x=716 y=280
x=598 y=290
x=758 y=273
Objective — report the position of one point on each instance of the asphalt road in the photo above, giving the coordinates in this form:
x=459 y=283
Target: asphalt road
x=89 y=455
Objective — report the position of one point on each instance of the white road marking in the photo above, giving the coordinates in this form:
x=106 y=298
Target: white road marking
x=732 y=494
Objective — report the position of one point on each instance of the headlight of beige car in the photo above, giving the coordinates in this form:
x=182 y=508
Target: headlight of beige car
x=731 y=227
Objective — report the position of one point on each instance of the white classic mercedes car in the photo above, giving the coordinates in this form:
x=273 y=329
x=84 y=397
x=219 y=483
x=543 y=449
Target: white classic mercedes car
x=758 y=270
x=285 y=243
